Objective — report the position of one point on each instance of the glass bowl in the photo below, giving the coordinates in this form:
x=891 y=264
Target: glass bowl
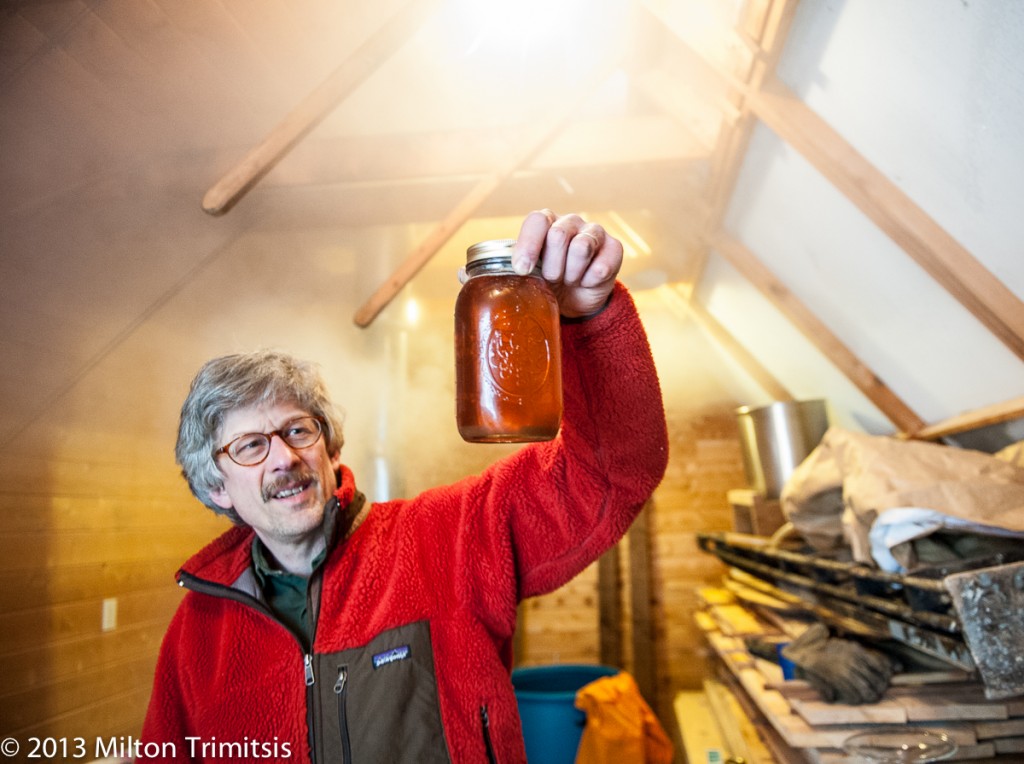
x=900 y=745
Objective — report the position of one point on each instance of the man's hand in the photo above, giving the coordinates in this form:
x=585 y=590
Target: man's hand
x=578 y=259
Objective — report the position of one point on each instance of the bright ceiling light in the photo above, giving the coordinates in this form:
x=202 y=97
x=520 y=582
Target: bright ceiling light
x=539 y=30
x=519 y=24
x=412 y=311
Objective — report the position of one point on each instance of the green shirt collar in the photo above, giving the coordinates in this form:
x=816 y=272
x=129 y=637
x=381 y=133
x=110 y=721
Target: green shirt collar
x=331 y=529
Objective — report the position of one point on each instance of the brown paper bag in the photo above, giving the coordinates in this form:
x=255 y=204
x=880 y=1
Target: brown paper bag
x=835 y=494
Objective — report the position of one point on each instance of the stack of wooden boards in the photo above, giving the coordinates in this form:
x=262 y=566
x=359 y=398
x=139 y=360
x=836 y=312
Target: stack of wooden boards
x=796 y=727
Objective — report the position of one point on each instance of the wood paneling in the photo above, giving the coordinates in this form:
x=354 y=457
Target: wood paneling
x=644 y=599
x=76 y=535
x=67 y=622
x=705 y=464
x=561 y=627
x=46 y=550
x=23 y=709
x=111 y=716
x=609 y=582
x=41 y=664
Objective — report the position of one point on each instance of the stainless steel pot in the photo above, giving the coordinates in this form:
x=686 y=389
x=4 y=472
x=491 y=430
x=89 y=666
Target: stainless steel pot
x=776 y=438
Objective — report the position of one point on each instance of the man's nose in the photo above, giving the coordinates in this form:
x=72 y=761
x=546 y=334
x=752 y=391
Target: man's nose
x=280 y=455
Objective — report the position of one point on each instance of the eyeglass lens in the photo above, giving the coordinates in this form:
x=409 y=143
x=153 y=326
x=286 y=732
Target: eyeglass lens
x=253 y=447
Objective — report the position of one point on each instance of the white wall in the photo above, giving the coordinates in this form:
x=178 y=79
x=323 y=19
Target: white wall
x=931 y=93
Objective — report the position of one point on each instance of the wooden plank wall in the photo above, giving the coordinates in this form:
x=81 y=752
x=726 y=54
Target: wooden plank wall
x=76 y=533
x=561 y=627
x=565 y=626
x=706 y=463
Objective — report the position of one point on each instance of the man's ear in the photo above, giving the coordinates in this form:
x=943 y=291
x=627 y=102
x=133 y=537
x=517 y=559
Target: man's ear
x=221 y=499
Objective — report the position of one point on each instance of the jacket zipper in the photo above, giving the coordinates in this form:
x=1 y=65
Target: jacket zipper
x=310 y=679
x=485 y=722
x=313 y=703
x=188 y=581
x=341 y=690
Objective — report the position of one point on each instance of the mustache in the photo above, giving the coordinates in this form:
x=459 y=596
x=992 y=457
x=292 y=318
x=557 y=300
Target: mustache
x=288 y=480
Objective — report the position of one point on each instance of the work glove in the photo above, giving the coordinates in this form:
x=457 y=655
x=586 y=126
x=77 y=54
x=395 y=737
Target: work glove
x=841 y=670
x=762 y=648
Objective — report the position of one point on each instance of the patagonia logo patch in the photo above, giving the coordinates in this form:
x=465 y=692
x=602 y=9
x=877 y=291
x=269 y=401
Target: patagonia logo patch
x=390 y=656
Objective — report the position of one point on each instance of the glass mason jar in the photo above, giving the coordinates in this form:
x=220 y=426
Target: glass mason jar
x=508 y=360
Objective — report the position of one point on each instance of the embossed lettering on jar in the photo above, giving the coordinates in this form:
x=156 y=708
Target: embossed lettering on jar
x=508 y=380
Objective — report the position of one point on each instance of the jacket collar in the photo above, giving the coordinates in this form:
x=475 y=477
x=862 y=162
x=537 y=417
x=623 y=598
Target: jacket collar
x=225 y=559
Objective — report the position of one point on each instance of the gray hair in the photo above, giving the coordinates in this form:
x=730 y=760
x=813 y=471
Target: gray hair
x=238 y=381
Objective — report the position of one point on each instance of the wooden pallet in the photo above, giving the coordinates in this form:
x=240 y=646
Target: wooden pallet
x=948 y=702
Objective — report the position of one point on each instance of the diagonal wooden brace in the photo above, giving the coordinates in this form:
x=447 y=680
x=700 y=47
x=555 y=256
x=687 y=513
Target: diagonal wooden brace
x=377 y=49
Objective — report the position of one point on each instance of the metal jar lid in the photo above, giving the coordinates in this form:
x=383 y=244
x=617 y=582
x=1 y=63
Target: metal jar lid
x=485 y=250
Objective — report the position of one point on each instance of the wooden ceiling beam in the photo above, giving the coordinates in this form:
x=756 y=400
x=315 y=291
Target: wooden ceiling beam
x=894 y=212
x=759 y=92
x=972 y=420
x=762 y=31
x=664 y=188
x=468 y=205
x=766 y=24
x=817 y=333
x=447 y=154
x=377 y=49
x=683 y=305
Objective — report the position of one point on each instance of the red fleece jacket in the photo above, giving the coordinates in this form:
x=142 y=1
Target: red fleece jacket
x=412 y=651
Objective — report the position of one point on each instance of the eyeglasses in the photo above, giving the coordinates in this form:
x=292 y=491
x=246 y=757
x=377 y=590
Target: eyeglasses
x=252 y=448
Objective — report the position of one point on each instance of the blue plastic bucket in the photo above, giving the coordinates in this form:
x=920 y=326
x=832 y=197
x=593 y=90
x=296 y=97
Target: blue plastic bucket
x=546 y=695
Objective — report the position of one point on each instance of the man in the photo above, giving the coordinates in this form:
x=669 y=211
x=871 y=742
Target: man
x=324 y=628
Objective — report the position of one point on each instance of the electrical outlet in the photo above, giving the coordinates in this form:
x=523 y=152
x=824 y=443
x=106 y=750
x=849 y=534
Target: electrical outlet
x=109 y=617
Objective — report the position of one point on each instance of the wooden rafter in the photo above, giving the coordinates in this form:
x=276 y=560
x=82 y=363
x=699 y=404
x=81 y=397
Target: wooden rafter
x=757 y=92
x=685 y=305
x=895 y=213
x=814 y=330
x=467 y=206
x=972 y=420
x=460 y=153
x=765 y=27
x=377 y=49
x=429 y=247
x=945 y=259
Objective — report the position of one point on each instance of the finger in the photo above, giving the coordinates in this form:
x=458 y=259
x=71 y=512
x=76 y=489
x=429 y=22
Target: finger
x=866 y=690
x=556 y=247
x=583 y=248
x=531 y=240
x=873 y=682
x=604 y=266
x=823 y=686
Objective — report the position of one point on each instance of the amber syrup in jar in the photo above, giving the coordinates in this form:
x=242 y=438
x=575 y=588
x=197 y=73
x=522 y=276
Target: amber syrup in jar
x=508 y=368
